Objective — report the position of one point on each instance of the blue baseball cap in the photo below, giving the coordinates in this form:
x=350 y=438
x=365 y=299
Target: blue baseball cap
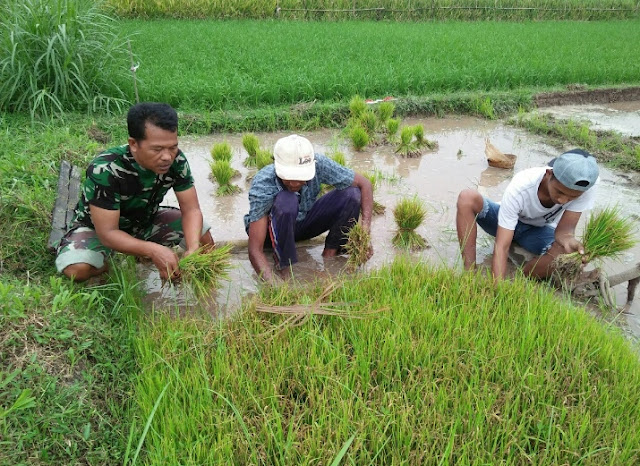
x=576 y=169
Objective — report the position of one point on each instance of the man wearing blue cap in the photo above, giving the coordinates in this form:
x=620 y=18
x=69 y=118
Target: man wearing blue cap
x=539 y=210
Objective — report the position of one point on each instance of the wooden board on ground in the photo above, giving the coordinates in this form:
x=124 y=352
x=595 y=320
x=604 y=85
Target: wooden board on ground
x=66 y=200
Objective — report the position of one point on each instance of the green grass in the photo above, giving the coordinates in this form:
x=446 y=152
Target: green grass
x=454 y=371
x=257 y=63
x=383 y=9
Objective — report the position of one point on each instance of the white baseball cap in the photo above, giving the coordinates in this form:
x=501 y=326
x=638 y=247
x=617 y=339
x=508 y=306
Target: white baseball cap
x=294 y=158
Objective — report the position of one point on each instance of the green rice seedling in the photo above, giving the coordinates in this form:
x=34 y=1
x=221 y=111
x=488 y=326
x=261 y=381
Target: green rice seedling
x=251 y=144
x=357 y=107
x=263 y=158
x=203 y=270
x=59 y=56
x=409 y=213
x=378 y=209
x=358 y=246
x=406 y=147
x=385 y=111
x=607 y=234
x=221 y=151
x=359 y=137
x=421 y=141
x=392 y=127
x=369 y=122
x=223 y=172
x=339 y=157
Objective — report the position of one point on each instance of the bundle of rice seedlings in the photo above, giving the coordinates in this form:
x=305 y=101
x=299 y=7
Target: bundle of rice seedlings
x=606 y=234
x=358 y=245
x=357 y=107
x=378 y=209
x=409 y=214
x=385 y=111
x=392 y=127
x=203 y=270
x=221 y=151
x=359 y=137
x=421 y=141
x=339 y=157
x=223 y=172
x=369 y=122
x=406 y=147
x=263 y=158
x=251 y=144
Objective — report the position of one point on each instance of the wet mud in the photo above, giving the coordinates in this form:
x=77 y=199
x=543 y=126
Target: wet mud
x=436 y=177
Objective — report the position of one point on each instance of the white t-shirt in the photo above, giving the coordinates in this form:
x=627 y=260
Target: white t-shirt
x=520 y=202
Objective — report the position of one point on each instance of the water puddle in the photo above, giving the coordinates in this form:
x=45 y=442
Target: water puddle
x=437 y=177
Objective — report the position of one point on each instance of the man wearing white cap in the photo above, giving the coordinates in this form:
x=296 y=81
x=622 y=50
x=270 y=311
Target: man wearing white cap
x=539 y=210
x=284 y=205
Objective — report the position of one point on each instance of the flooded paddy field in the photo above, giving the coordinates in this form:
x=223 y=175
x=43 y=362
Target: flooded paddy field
x=436 y=177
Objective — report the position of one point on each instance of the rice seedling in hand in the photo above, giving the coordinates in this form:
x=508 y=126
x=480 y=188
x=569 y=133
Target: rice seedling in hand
x=339 y=157
x=357 y=107
x=359 y=137
x=223 y=172
x=263 y=158
x=358 y=246
x=385 y=111
x=203 y=270
x=221 y=151
x=409 y=213
x=421 y=141
x=607 y=234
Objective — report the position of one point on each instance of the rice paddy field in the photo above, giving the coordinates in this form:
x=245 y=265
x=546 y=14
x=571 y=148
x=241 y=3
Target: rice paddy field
x=247 y=64
x=421 y=365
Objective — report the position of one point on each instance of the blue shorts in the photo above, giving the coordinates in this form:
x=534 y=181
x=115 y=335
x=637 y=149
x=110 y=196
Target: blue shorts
x=536 y=240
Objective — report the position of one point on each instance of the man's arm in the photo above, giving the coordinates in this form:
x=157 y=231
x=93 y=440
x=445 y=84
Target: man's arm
x=191 y=218
x=106 y=223
x=504 y=238
x=565 y=233
x=257 y=237
x=366 y=199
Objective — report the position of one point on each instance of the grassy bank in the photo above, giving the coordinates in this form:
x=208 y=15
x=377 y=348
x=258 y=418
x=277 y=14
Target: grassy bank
x=382 y=9
x=451 y=371
x=241 y=65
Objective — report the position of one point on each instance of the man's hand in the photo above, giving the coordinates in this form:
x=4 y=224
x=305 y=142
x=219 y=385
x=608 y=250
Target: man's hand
x=166 y=261
x=569 y=244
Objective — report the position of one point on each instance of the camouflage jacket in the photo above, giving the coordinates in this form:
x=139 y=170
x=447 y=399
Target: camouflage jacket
x=115 y=181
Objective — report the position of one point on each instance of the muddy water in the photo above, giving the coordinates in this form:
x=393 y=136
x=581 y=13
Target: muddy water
x=436 y=177
x=623 y=117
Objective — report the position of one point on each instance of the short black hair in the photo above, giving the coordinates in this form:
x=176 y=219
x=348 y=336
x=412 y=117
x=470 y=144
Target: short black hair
x=158 y=114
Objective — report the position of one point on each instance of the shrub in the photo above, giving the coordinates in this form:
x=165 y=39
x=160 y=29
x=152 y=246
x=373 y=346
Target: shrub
x=60 y=55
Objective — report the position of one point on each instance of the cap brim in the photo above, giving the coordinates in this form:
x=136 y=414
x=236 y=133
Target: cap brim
x=305 y=173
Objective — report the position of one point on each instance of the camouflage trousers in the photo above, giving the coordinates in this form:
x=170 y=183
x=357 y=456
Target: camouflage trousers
x=81 y=244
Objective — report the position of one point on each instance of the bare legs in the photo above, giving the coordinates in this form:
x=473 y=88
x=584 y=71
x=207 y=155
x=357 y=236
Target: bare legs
x=468 y=207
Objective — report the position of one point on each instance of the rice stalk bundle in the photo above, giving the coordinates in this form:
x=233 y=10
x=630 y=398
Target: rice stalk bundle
x=369 y=122
x=359 y=137
x=392 y=127
x=378 y=209
x=607 y=234
x=406 y=147
x=221 y=151
x=223 y=172
x=358 y=245
x=339 y=158
x=251 y=144
x=357 y=107
x=385 y=111
x=203 y=270
x=263 y=158
x=421 y=141
x=409 y=214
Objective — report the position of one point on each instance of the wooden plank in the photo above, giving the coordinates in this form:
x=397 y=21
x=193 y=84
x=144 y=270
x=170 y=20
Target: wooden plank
x=67 y=197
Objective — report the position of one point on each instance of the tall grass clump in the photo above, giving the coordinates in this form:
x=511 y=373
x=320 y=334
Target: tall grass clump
x=223 y=172
x=203 y=270
x=409 y=214
x=221 y=151
x=251 y=144
x=607 y=234
x=60 y=55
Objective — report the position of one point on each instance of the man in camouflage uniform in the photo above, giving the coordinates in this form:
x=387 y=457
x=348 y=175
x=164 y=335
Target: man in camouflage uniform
x=119 y=209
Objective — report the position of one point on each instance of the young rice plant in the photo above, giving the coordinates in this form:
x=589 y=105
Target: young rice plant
x=221 y=151
x=409 y=214
x=203 y=270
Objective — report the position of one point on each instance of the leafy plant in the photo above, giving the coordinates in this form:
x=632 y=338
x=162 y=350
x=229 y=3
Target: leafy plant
x=60 y=55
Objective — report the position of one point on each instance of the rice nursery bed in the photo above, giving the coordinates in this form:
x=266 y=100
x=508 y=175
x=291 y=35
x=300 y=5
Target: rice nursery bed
x=452 y=370
x=248 y=63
